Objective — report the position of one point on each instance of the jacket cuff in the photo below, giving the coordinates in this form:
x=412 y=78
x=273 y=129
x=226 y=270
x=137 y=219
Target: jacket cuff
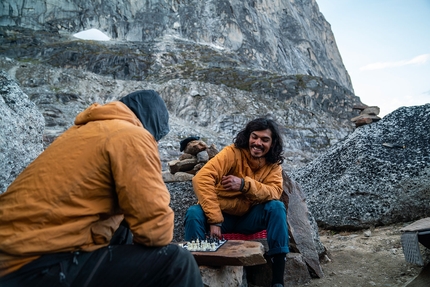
x=245 y=187
x=242 y=185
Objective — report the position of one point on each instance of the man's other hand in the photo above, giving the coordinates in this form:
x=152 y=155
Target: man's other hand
x=231 y=182
x=215 y=231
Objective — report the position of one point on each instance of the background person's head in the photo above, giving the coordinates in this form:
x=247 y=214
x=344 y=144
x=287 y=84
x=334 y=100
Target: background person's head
x=151 y=110
x=248 y=137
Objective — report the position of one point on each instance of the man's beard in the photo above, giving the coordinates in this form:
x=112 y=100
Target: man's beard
x=259 y=149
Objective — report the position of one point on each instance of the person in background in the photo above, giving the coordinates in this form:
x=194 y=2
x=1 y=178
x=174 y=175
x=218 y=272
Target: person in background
x=64 y=221
x=238 y=191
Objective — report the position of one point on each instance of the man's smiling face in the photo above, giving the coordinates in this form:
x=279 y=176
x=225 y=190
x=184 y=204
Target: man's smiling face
x=260 y=143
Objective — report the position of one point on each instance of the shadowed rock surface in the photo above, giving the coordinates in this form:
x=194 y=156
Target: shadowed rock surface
x=304 y=237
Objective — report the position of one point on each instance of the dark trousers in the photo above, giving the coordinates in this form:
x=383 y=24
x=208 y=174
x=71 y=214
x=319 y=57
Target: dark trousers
x=114 y=265
x=270 y=215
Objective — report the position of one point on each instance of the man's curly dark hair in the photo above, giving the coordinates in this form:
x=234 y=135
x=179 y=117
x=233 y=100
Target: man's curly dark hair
x=275 y=154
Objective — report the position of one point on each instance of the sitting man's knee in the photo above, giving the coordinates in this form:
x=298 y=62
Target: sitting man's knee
x=275 y=204
x=194 y=211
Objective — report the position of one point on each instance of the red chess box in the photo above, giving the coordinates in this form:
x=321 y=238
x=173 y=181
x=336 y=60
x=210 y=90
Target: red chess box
x=237 y=236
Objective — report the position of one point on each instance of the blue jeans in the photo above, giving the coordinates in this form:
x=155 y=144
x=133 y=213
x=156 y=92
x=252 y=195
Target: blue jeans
x=271 y=216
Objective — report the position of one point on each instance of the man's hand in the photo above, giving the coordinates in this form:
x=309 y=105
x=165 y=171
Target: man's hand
x=215 y=231
x=231 y=182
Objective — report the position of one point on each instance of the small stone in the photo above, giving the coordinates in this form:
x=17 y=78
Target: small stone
x=212 y=151
x=182 y=165
x=186 y=156
x=196 y=146
x=202 y=156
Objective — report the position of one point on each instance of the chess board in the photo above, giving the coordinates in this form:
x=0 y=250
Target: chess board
x=207 y=245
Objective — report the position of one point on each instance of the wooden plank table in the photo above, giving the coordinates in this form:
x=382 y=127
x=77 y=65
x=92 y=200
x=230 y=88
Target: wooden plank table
x=233 y=253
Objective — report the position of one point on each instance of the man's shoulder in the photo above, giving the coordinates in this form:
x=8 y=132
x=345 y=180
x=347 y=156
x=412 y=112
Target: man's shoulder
x=233 y=149
x=126 y=132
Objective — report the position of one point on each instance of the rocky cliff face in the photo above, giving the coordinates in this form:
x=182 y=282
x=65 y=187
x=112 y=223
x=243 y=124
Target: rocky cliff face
x=282 y=36
x=217 y=64
x=311 y=120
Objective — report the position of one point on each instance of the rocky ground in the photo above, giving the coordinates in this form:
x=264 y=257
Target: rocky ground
x=357 y=259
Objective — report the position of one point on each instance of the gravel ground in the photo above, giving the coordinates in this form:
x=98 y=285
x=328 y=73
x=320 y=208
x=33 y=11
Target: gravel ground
x=366 y=258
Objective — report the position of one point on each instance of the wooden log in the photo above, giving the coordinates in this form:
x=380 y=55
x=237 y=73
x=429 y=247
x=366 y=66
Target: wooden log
x=233 y=253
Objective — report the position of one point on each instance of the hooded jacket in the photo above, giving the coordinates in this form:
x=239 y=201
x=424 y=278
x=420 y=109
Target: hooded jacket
x=261 y=184
x=76 y=193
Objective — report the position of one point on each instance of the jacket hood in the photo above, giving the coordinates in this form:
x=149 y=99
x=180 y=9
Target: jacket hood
x=151 y=110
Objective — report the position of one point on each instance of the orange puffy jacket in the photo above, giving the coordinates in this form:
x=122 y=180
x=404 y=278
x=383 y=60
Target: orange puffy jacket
x=261 y=184
x=75 y=194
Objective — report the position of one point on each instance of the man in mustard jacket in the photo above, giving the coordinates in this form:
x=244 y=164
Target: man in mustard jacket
x=238 y=191
x=60 y=218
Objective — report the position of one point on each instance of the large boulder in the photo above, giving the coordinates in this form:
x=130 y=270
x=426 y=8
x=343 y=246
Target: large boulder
x=378 y=175
x=21 y=130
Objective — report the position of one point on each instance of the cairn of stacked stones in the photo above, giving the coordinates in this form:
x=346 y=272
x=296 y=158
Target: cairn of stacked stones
x=367 y=115
x=195 y=155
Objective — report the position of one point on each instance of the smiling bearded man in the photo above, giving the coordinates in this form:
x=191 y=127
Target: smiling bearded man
x=239 y=189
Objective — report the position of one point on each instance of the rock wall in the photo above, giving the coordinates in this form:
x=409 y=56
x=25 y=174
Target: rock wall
x=317 y=116
x=282 y=36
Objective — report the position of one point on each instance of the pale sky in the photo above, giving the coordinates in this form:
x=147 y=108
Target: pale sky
x=385 y=47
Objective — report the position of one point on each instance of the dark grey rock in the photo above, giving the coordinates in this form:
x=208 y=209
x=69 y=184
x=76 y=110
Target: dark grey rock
x=181 y=197
x=369 y=179
x=302 y=235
